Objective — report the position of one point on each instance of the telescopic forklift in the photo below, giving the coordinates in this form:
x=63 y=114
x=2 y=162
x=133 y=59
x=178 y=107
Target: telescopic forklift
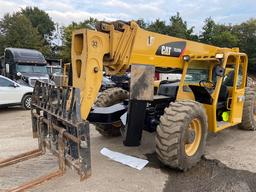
x=210 y=96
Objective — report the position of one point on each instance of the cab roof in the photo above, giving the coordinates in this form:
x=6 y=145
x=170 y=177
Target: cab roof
x=25 y=56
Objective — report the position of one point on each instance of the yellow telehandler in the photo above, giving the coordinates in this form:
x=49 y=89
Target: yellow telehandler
x=211 y=95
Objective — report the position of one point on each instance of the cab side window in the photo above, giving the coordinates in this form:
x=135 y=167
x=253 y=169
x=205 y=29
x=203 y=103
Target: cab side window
x=5 y=82
x=240 y=77
x=229 y=77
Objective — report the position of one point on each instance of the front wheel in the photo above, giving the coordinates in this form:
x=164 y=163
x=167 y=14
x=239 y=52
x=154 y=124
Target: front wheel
x=181 y=135
x=26 y=102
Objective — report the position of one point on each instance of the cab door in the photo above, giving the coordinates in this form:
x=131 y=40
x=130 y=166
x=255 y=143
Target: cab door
x=239 y=83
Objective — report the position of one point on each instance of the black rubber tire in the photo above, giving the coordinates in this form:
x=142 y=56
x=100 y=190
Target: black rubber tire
x=170 y=134
x=107 y=98
x=26 y=102
x=248 y=120
x=250 y=82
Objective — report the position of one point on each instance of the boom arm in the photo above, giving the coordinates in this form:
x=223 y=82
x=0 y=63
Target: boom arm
x=118 y=45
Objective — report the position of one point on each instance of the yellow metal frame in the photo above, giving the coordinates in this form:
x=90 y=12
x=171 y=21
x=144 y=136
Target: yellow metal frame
x=117 y=49
x=236 y=94
x=88 y=50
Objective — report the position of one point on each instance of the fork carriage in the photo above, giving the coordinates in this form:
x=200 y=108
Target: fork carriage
x=57 y=124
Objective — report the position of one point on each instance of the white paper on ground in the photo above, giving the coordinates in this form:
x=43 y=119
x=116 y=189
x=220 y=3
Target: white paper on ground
x=134 y=162
x=124 y=118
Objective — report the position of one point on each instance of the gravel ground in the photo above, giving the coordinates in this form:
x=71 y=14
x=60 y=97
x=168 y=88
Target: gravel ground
x=229 y=163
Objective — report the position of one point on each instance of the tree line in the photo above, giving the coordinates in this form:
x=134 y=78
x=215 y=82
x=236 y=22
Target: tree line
x=33 y=28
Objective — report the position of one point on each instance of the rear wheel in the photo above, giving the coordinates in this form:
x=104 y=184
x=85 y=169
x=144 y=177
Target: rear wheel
x=110 y=97
x=250 y=82
x=181 y=135
x=249 y=111
x=26 y=102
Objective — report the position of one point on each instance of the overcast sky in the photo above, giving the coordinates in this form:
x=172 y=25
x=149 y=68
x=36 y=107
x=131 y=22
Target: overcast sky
x=193 y=11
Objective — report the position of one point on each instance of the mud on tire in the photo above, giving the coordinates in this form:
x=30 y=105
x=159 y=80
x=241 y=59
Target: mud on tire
x=172 y=134
x=107 y=98
x=249 y=110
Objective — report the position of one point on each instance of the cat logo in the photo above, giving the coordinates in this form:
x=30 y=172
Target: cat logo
x=171 y=49
x=166 y=50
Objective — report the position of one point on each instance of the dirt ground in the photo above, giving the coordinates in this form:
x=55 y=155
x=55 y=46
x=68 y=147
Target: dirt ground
x=229 y=163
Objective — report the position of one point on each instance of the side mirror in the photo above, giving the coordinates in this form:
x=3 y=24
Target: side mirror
x=15 y=85
x=7 y=68
x=219 y=71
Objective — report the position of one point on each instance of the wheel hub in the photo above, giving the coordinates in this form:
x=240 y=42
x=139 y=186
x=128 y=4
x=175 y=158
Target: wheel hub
x=190 y=136
x=193 y=137
x=28 y=102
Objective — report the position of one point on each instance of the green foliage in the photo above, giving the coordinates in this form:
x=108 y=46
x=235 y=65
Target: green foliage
x=218 y=34
x=158 y=26
x=242 y=36
x=33 y=28
x=142 y=23
x=179 y=28
x=207 y=33
x=40 y=20
x=17 y=31
x=246 y=33
x=176 y=28
x=29 y=28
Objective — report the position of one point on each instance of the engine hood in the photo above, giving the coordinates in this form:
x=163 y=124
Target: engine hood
x=31 y=78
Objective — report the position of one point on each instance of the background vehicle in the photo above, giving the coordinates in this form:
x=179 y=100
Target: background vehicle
x=54 y=62
x=12 y=93
x=25 y=66
x=107 y=83
x=2 y=69
x=121 y=81
x=55 y=71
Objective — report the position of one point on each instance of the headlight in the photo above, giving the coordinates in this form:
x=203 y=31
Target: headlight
x=219 y=56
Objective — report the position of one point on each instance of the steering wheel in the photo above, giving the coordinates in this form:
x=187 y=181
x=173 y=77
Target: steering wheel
x=209 y=85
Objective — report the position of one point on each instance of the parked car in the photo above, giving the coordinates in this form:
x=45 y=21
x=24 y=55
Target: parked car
x=12 y=93
x=107 y=83
x=122 y=81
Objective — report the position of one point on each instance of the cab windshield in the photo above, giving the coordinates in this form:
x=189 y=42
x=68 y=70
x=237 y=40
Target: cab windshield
x=197 y=71
x=196 y=75
x=54 y=70
x=31 y=69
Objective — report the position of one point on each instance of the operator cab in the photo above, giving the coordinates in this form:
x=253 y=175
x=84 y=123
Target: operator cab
x=201 y=79
x=198 y=83
x=219 y=85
